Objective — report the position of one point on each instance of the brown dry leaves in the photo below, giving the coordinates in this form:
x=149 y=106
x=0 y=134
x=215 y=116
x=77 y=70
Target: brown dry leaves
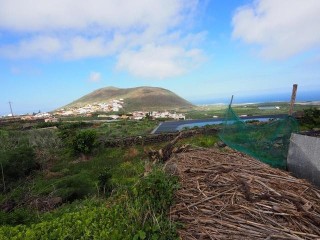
x=228 y=195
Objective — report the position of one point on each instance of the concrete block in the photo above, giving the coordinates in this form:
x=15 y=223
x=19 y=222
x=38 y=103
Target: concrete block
x=304 y=157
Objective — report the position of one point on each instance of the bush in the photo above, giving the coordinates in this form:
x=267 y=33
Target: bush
x=74 y=125
x=67 y=131
x=157 y=190
x=18 y=216
x=10 y=140
x=202 y=140
x=17 y=163
x=104 y=181
x=75 y=187
x=311 y=118
x=47 y=124
x=84 y=142
x=154 y=196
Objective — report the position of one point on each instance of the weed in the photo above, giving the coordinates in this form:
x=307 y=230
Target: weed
x=104 y=181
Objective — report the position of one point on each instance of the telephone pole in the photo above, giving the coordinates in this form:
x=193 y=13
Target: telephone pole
x=11 y=108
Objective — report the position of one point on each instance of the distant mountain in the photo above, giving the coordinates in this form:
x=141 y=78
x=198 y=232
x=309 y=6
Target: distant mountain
x=139 y=98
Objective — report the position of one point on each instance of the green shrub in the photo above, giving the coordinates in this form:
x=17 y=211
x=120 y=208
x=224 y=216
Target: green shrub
x=75 y=187
x=126 y=174
x=47 y=124
x=18 y=216
x=156 y=190
x=311 y=118
x=10 y=140
x=16 y=164
x=154 y=195
x=104 y=181
x=202 y=140
x=207 y=141
x=67 y=131
x=84 y=142
x=74 y=125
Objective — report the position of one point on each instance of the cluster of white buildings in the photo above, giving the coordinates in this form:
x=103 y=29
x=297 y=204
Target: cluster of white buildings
x=115 y=106
x=112 y=106
x=166 y=114
x=138 y=115
x=43 y=115
x=104 y=109
x=36 y=116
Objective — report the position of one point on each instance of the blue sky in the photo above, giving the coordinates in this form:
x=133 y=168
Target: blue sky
x=55 y=51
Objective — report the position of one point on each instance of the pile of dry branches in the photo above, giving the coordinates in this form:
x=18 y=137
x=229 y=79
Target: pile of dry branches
x=228 y=195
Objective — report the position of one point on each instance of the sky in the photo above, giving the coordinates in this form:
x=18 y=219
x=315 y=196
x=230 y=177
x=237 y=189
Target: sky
x=55 y=51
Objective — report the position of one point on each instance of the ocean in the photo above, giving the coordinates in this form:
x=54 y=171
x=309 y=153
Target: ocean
x=280 y=97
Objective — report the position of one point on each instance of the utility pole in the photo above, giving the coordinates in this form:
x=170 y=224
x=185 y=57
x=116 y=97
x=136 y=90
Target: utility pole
x=293 y=98
x=11 y=108
x=231 y=101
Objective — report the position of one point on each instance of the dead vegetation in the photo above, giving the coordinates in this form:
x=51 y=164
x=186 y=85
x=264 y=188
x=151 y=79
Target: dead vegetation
x=164 y=154
x=228 y=195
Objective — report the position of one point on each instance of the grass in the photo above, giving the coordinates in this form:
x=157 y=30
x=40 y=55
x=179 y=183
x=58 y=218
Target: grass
x=127 y=128
x=206 y=141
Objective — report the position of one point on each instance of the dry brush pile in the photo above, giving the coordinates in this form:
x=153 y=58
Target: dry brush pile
x=228 y=195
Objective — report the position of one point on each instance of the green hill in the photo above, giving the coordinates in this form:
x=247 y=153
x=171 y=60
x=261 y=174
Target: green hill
x=139 y=98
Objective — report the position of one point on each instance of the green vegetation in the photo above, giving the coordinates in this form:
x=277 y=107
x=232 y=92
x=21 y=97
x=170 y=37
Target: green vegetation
x=310 y=119
x=16 y=164
x=49 y=191
x=84 y=142
x=127 y=128
x=58 y=182
x=138 y=212
x=206 y=141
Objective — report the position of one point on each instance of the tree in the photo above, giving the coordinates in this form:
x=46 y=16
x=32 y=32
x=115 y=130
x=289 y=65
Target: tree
x=84 y=142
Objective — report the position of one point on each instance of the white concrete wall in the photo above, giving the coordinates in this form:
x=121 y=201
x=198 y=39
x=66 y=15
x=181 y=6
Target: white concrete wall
x=304 y=157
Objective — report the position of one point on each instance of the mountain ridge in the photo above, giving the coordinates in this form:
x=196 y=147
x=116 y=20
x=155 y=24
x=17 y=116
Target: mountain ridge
x=136 y=98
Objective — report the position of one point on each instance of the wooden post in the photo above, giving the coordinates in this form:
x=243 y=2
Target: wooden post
x=231 y=101
x=293 y=98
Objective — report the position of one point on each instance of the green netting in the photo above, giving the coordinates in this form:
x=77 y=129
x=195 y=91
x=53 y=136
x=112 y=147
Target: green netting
x=268 y=142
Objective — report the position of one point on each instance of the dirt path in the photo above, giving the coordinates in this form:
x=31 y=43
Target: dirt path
x=228 y=195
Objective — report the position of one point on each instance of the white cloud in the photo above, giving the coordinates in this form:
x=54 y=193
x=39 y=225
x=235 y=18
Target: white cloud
x=76 y=29
x=280 y=28
x=95 y=77
x=80 y=47
x=159 y=61
x=76 y=47
x=38 y=46
x=79 y=14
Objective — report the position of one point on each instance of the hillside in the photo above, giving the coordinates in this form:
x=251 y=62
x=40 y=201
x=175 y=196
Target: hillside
x=139 y=98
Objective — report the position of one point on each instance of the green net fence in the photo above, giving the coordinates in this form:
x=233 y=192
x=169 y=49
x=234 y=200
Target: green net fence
x=266 y=141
